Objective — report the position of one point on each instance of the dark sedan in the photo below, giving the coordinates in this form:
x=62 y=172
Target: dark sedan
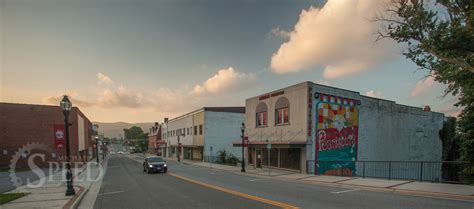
x=154 y=164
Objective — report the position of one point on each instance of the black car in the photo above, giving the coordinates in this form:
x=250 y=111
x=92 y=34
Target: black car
x=154 y=164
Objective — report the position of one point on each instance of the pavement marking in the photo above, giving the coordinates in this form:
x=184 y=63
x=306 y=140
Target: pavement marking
x=340 y=192
x=111 y=192
x=114 y=166
x=247 y=196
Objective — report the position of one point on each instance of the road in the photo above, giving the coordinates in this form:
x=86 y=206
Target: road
x=126 y=186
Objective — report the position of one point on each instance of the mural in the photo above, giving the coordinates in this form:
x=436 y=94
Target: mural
x=336 y=135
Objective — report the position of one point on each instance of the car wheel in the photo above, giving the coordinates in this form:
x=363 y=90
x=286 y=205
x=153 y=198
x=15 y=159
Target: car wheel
x=166 y=170
x=148 y=171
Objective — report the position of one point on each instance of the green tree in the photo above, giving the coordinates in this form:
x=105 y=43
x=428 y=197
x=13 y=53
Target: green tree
x=440 y=39
x=134 y=132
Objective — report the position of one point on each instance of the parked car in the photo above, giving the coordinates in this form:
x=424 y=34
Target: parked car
x=155 y=164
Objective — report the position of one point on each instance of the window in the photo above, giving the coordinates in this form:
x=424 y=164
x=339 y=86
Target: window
x=195 y=130
x=282 y=116
x=183 y=132
x=187 y=130
x=262 y=119
x=200 y=129
x=282 y=111
x=261 y=116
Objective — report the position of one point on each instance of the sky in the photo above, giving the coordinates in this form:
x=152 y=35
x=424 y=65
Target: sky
x=143 y=60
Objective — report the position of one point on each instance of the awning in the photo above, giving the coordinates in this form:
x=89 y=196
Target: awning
x=274 y=143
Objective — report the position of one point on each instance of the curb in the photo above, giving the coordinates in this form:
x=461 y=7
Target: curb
x=72 y=203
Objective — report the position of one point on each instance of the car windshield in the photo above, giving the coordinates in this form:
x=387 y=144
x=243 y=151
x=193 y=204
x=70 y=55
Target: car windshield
x=155 y=159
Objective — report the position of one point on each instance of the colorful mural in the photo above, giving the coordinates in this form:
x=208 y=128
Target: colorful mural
x=336 y=135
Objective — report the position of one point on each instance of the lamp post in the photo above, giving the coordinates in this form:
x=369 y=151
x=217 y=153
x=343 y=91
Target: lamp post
x=242 y=129
x=179 y=148
x=66 y=107
x=97 y=148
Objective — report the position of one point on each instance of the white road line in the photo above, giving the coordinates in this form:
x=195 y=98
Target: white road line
x=112 y=192
x=340 y=192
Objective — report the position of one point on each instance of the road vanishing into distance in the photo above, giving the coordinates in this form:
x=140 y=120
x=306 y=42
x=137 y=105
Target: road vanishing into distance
x=126 y=186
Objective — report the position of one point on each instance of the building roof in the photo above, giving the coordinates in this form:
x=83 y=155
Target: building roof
x=233 y=109
x=225 y=109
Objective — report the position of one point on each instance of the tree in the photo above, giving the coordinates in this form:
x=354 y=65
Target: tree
x=440 y=39
x=134 y=132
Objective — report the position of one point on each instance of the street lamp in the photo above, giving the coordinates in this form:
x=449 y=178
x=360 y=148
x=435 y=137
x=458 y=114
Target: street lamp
x=97 y=148
x=66 y=107
x=179 y=148
x=242 y=129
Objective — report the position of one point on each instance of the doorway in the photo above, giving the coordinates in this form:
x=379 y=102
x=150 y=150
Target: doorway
x=258 y=158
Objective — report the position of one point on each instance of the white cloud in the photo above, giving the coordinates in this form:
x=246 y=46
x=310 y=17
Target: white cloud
x=121 y=97
x=423 y=86
x=280 y=33
x=373 y=93
x=339 y=36
x=103 y=79
x=73 y=97
x=226 y=79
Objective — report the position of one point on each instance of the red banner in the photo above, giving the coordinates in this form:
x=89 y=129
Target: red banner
x=59 y=136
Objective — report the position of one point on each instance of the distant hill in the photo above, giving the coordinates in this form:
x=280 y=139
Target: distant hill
x=116 y=129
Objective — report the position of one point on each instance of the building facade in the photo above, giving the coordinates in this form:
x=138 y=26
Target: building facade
x=201 y=134
x=309 y=123
x=24 y=124
x=155 y=142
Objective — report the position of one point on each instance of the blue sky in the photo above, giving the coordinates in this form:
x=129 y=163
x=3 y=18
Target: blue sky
x=150 y=59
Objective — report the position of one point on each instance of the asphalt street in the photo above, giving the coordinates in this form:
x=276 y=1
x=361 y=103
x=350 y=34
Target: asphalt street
x=126 y=186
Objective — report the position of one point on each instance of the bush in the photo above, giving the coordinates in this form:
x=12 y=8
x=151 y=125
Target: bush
x=224 y=158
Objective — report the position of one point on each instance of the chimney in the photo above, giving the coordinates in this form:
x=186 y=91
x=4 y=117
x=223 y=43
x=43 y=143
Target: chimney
x=156 y=123
x=166 y=120
x=427 y=108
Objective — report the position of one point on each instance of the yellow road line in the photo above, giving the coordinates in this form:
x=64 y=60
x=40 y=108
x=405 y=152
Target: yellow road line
x=259 y=199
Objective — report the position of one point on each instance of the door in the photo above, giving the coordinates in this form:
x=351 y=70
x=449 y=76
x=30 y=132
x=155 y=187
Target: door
x=258 y=158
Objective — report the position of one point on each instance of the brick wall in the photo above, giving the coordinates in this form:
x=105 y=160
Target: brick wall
x=21 y=124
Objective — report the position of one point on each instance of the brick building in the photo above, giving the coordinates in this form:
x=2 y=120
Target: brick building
x=22 y=124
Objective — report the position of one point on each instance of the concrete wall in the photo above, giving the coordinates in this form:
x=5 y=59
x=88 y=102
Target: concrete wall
x=198 y=119
x=389 y=131
x=297 y=128
x=222 y=128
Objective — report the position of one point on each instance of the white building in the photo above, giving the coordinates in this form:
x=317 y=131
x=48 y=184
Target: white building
x=194 y=133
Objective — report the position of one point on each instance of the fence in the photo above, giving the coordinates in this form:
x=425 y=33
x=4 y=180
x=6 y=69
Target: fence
x=443 y=171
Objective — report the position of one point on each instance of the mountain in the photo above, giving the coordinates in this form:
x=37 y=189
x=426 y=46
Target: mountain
x=116 y=129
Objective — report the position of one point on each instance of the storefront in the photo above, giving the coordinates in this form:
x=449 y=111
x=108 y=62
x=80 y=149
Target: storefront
x=282 y=155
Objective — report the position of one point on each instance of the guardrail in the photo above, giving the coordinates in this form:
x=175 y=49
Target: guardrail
x=458 y=172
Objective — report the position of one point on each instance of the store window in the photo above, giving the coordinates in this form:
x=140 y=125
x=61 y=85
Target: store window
x=261 y=115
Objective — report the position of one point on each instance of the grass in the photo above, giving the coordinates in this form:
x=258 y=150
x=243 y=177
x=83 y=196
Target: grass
x=8 y=197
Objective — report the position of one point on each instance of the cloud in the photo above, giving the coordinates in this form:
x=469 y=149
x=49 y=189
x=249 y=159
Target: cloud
x=338 y=36
x=103 y=79
x=280 y=33
x=226 y=79
x=121 y=97
x=373 y=93
x=423 y=86
x=73 y=97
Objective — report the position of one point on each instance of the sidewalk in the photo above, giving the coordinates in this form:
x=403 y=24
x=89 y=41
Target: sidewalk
x=51 y=194
x=438 y=190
